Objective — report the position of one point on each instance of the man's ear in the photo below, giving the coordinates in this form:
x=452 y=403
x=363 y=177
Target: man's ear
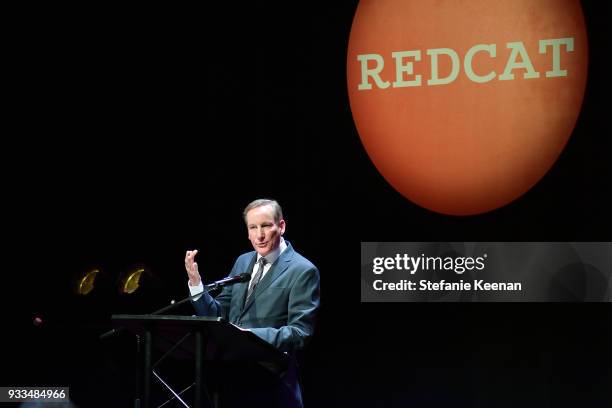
x=281 y=225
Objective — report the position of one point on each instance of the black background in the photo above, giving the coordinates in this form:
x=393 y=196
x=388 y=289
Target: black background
x=138 y=133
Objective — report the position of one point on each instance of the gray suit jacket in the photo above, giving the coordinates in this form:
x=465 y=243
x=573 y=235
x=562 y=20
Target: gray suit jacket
x=282 y=311
x=283 y=308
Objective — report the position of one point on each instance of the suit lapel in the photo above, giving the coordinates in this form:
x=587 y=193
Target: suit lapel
x=277 y=269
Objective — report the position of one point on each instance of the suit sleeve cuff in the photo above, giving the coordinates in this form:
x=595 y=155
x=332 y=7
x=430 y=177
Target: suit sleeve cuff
x=196 y=289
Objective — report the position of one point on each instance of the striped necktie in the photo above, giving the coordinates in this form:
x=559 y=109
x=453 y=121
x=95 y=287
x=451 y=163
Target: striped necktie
x=256 y=278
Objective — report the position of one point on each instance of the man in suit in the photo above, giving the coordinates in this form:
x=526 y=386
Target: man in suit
x=278 y=304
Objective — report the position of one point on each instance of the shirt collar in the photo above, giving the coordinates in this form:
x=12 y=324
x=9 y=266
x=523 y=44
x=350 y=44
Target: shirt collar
x=273 y=256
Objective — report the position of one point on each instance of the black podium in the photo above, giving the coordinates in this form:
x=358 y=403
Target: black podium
x=202 y=339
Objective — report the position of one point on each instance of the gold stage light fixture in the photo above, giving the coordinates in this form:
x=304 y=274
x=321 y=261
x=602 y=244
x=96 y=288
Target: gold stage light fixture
x=131 y=281
x=86 y=283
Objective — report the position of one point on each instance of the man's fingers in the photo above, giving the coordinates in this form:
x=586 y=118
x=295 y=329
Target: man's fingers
x=189 y=256
x=190 y=265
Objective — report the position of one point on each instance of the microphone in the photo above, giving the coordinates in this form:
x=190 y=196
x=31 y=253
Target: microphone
x=230 y=280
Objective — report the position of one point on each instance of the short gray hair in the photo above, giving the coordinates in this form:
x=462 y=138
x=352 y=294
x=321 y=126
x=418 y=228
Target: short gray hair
x=278 y=211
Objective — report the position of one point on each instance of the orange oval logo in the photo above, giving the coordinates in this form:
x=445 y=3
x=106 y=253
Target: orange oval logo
x=464 y=105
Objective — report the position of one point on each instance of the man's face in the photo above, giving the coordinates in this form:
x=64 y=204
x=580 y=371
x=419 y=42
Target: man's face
x=264 y=233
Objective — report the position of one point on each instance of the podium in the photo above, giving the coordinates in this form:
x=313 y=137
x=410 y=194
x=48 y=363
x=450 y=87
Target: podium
x=201 y=339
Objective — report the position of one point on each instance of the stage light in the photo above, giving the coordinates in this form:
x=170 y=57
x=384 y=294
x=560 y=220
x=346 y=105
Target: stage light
x=131 y=281
x=86 y=283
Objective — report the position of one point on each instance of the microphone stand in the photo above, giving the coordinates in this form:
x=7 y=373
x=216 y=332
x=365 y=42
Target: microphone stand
x=207 y=288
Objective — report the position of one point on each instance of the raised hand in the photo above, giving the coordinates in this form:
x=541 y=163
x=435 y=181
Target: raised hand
x=192 y=268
